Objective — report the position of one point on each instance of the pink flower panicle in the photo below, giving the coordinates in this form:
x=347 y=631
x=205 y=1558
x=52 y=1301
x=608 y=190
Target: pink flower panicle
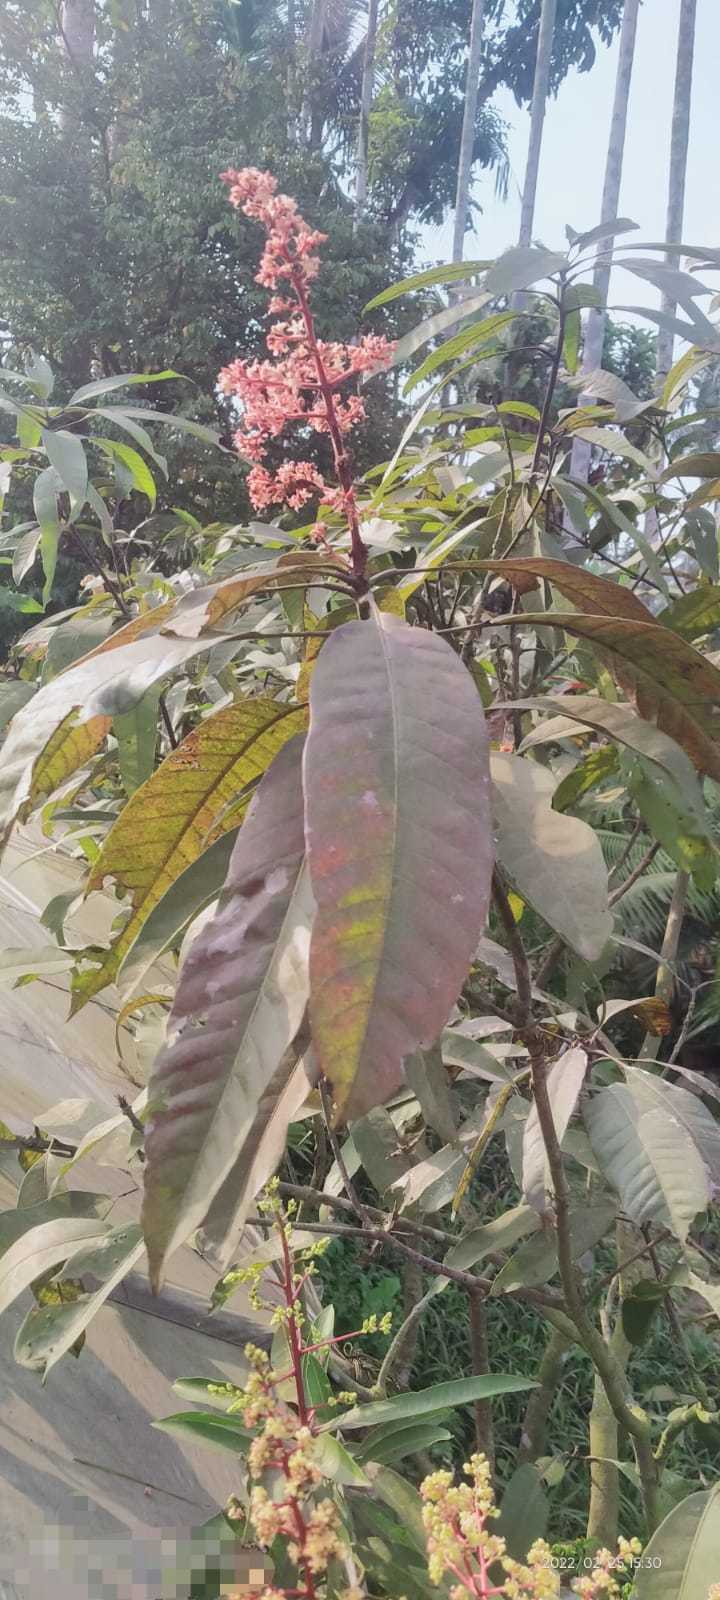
x=302 y=382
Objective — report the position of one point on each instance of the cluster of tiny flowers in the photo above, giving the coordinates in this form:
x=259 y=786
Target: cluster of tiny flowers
x=284 y=1445
x=606 y=1580
x=460 y=1544
x=301 y=383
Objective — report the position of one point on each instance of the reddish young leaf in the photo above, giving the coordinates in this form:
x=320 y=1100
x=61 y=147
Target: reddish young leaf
x=400 y=849
x=239 y=1003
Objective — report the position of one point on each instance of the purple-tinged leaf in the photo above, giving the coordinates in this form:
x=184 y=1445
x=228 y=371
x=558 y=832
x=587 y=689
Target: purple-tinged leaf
x=240 y=1000
x=400 y=849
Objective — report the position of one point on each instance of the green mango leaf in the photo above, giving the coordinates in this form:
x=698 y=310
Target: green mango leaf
x=123 y=380
x=141 y=477
x=571 y=342
x=649 y=1158
x=524 y=1511
x=14 y=694
x=531 y=841
x=137 y=734
x=49 y=1331
x=420 y=1402
x=203 y=1389
x=520 y=267
x=429 y=279
x=603 y=231
x=239 y=1003
x=187 y=895
x=536 y=1261
x=700 y=331
x=622 y=724
x=46 y=488
x=564 y=1082
x=41 y=1248
x=399 y=845
x=66 y=453
x=203 y=1427
x=589 y=773
x=639 y=1309
x=685 y=837
x=500 y=1234
x=698 y=611
x=609 y=387
x=136 y=432
x=472 y=338
x=439 y=323
x=682 y=1560
x=170 y=419
x=404 y=1500
x=653 y=1093
x=24 y=1217
x=336 y=1463
x=393 y=1443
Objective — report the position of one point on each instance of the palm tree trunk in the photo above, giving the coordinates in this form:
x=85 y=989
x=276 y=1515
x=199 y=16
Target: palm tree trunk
x=678 y=163
x=315 y=33
x=467 y=141
x=597 y=316
x=366 y=95
x=541 y=84
x=77 y=32
x=291 y=73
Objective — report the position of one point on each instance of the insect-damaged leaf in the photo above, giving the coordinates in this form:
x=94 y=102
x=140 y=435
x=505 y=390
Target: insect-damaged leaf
x=194 y=795
x=239 y=1004
x=400 y=849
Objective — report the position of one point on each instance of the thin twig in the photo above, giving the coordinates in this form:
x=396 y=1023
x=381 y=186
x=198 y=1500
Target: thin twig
x=297 y=1191
x=350 y=1190
x=633 y=876
x=619 y=864
x=167 y=721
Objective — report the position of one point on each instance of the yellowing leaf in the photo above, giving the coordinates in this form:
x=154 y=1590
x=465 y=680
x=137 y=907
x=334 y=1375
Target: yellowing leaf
x=68 y=749
x=672 y=682
x=191 y=799
x=400 y=849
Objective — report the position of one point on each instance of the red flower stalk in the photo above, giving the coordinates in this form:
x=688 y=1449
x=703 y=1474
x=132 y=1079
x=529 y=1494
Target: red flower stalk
x=304 y=383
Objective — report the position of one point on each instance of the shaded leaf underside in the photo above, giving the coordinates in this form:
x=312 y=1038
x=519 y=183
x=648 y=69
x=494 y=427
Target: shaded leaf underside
x=239 y=1004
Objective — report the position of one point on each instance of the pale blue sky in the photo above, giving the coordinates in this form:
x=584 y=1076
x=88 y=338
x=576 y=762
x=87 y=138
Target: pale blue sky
x=575 y=142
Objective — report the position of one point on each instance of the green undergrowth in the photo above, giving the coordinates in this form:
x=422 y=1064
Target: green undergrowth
x=360 y=1281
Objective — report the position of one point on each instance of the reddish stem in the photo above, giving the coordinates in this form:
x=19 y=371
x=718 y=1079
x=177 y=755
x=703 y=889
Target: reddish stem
x=293 y=1331
x=342 y=460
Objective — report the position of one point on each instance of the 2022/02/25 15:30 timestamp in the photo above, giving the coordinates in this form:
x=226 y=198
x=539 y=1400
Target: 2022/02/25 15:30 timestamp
x=578 y=1563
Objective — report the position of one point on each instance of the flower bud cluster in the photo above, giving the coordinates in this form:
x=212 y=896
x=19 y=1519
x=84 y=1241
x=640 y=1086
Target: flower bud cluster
x=302 y=382
x=460 y=1544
